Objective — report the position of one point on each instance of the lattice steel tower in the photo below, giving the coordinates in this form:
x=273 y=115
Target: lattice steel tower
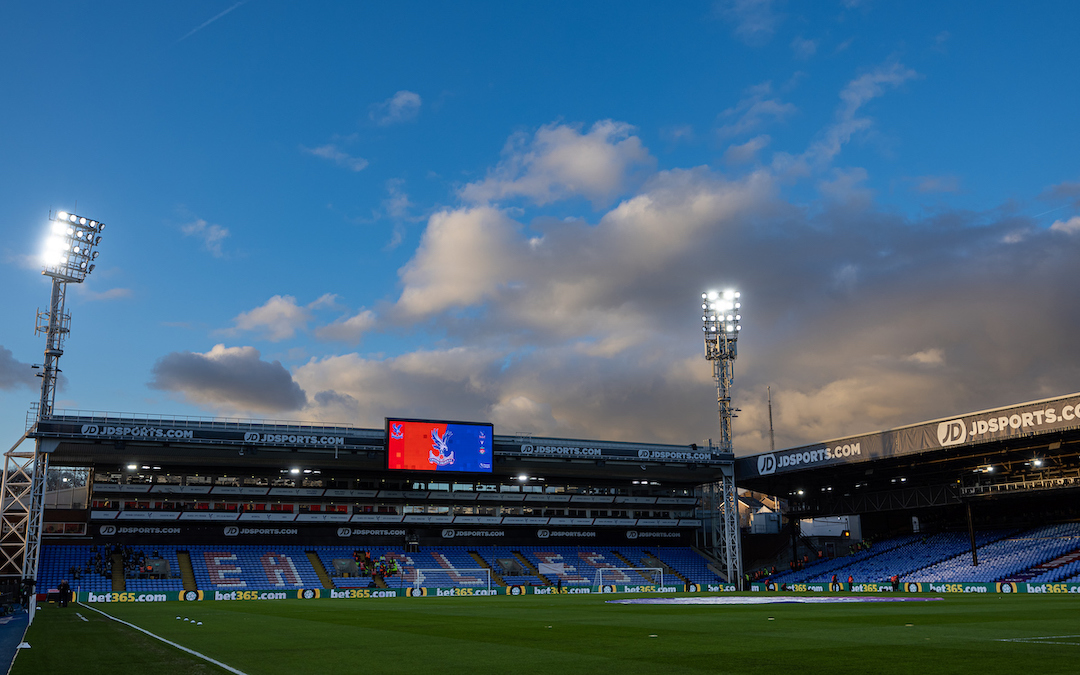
x=68 y=258
x=721 y=323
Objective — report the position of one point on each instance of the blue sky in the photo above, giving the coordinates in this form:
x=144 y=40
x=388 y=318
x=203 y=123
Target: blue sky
x=505 y=213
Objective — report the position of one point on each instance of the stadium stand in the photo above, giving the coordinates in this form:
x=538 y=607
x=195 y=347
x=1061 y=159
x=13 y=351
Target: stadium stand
x=1005 y=557
x=252 y=567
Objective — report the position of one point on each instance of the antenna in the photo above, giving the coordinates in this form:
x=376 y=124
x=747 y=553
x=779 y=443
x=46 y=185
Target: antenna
x=772 y=438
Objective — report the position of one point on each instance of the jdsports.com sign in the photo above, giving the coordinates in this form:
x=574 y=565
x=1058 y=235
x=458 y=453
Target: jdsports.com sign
x=990 y=425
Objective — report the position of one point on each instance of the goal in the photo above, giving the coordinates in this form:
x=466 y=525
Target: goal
x=441 y=577
x=637 y=575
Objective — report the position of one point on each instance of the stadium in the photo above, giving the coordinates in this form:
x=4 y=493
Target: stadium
x=262 y=523
x=204 y=516
x=254 y=527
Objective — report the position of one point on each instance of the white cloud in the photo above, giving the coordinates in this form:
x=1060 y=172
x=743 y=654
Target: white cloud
x=401 y=107
x=803 y=48
x=338 y=156
x=229 y=379
x=14 y=373
x=348 y=329
x=212 y=236
x=560 y=162
x=755 y=20
x=278 y=319
x=1070 y=226
x=754 y=111
x=463 y=258
x=111 y=294
x=747 y=152
x=853 y=97
x=936 y=184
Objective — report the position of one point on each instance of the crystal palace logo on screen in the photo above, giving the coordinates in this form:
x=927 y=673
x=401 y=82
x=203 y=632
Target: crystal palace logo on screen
x=440 y=454
x=483 y=441
x=395 y=432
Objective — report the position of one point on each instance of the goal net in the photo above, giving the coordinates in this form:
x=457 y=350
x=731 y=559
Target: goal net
x=440 y=577
x=629 y=576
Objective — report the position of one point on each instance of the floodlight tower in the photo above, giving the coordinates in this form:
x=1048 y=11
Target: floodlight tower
x=68 y=258
x=721 y=323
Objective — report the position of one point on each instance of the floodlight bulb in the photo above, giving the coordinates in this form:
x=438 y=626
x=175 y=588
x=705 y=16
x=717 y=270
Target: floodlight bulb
x=294 y=471
x=738 y=317
x=736 y=327
x=737 y=294
x=704 y=318
x=523 y=477
x=729 y=293
x=704 y=295
x=132 y=467
x=713 y=295
x=738 y=305
x=82 y=221
x=1038 y=462
x=62 y=215
x=72 y=218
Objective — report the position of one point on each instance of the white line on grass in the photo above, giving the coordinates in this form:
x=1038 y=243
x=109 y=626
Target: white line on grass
x=1045 y=640
x=182 y=648
x=81 y=616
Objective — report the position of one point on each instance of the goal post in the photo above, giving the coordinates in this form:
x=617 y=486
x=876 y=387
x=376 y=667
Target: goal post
x=460 y=577
x=653 y=575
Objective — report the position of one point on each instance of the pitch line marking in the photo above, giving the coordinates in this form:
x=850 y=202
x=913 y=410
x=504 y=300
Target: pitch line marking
x=81 y=617
x=1044 y=640
x=182 y=648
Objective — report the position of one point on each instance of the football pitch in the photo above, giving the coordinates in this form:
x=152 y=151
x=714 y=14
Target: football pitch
x=991 y=633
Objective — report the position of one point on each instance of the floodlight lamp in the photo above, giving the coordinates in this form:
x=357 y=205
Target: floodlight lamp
x=1038 y=462
x=132 y=467
x=82 y=221
x=523 y=478
x=294 y=471
x=704 y=295
x=738 y=328
x=72 y=218
x=713 y=295
x=62 y=215
x=90 y=269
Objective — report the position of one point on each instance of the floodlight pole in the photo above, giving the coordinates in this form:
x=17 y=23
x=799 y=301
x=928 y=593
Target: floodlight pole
x=721 y=324
x=22 y=493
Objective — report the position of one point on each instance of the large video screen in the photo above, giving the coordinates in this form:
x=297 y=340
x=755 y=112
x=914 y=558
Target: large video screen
x=427 y=445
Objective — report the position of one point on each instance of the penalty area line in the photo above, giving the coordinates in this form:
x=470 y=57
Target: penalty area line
x=182 y=648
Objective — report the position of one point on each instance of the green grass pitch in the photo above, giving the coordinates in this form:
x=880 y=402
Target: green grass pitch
x=562 y=634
